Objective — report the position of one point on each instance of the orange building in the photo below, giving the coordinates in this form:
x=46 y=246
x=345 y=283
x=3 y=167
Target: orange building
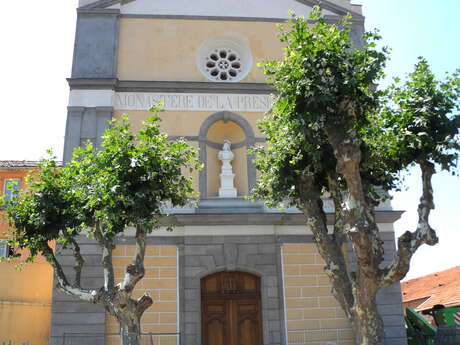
x=423 y=293
x=25 y=295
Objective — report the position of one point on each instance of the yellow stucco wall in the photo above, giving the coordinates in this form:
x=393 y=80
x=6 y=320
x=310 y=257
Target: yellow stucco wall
x=32 y=284
x=25 y=295
x=25 y=303
x=160 y=282
x=313 y=315
x=188 y=124
x=24 y=323
x=184 y=122
x=165 y=49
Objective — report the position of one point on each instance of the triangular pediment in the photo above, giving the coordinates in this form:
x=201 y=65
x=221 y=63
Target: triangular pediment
x=270 y=9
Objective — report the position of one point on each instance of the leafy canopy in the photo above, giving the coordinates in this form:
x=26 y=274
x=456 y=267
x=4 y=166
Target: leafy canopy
x=101 y=192
x=419 y=120
x=323 y=81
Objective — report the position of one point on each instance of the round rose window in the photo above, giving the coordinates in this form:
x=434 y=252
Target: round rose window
x=224 y=60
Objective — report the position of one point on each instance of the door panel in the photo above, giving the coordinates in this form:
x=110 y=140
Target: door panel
x=249 y=321
x=231 y=309
x=215 y=322
x=247 y=332
x=215 y=332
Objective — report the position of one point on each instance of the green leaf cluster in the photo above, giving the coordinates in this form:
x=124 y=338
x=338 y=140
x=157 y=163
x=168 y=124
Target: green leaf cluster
x=323 y=81
x=419 y=120
x=128 y=182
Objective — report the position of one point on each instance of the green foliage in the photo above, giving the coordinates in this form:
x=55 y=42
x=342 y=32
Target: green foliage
x=323 y=81
x=319 y=73
x=419 y=120
x=101 y=192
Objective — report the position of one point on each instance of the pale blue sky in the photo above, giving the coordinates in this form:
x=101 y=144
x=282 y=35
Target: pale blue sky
x=37 y=43
x=431 y=29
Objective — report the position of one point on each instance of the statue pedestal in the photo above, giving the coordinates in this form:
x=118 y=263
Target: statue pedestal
x=226 y=190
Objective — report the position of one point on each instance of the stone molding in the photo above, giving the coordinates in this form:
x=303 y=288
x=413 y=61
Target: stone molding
x=257 y=255
x=190 y=101
x=221 y=217
x=324 y=4
x=330 y=19
x=167 y=86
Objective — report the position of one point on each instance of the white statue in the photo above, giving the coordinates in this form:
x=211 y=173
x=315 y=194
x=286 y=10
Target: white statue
x=226 y=190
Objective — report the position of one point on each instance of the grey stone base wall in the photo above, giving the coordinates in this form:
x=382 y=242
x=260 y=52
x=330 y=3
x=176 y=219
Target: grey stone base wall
x=71 y=318
x=200 y=256
x=204 y=255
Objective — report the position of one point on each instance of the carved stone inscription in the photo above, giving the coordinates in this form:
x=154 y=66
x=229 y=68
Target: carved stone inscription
x=193 y=101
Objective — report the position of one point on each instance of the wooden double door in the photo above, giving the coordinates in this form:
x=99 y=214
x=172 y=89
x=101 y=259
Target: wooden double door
x=231 y=311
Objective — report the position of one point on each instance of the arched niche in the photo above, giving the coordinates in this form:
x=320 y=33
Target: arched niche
x=212 y=133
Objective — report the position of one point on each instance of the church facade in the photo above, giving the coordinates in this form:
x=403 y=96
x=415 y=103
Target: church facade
x=232 y=271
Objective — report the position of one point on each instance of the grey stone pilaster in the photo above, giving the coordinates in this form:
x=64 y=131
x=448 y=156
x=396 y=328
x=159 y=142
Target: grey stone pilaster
x=73 y=321
x=85 y=124
x=96 y=44
x=389 y=299
x=356 y=34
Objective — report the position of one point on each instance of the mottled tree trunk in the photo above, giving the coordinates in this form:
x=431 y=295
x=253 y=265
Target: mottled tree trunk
x=366 y=321
x=116 y=299
x=130 y=330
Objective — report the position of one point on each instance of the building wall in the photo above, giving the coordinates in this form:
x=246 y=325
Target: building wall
x=139 y=51
x=185 y=123
x=313 y=315
x=168 y=47
x=25 y=303
x=25 y=295
x=188 y=124
x=160 y=282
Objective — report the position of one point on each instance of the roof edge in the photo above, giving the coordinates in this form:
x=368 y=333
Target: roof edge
x=325 y=4
x=328 y=5
x=20 y=164
x=101 y=4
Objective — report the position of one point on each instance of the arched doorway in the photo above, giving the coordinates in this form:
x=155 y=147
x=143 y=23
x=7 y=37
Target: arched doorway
x=231 y=310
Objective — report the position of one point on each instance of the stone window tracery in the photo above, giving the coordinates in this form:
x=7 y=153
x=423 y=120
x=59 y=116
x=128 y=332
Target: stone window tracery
x=223 y=59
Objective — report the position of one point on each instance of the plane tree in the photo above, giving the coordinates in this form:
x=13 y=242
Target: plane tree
x=101 y=194
x=330 y=133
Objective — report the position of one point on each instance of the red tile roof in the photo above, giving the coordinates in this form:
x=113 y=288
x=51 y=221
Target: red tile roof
x=18 y=164
x=13 y=164
x=436 y=288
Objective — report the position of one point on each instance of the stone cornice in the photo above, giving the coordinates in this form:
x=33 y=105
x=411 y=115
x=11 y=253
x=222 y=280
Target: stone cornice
x=92 y=83
x=261 y=218
x=98 y=11
x=167 y=86
x=330 y=6
x=339 y=10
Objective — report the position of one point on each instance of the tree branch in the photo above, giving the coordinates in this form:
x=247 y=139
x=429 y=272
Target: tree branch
x=336 y=194
x=136 y=270
x=409 y=242
x=62 y=282
x=107 y=264
x=330 y=250
x=142 y=304
x=359 y=220
x=79 y=261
